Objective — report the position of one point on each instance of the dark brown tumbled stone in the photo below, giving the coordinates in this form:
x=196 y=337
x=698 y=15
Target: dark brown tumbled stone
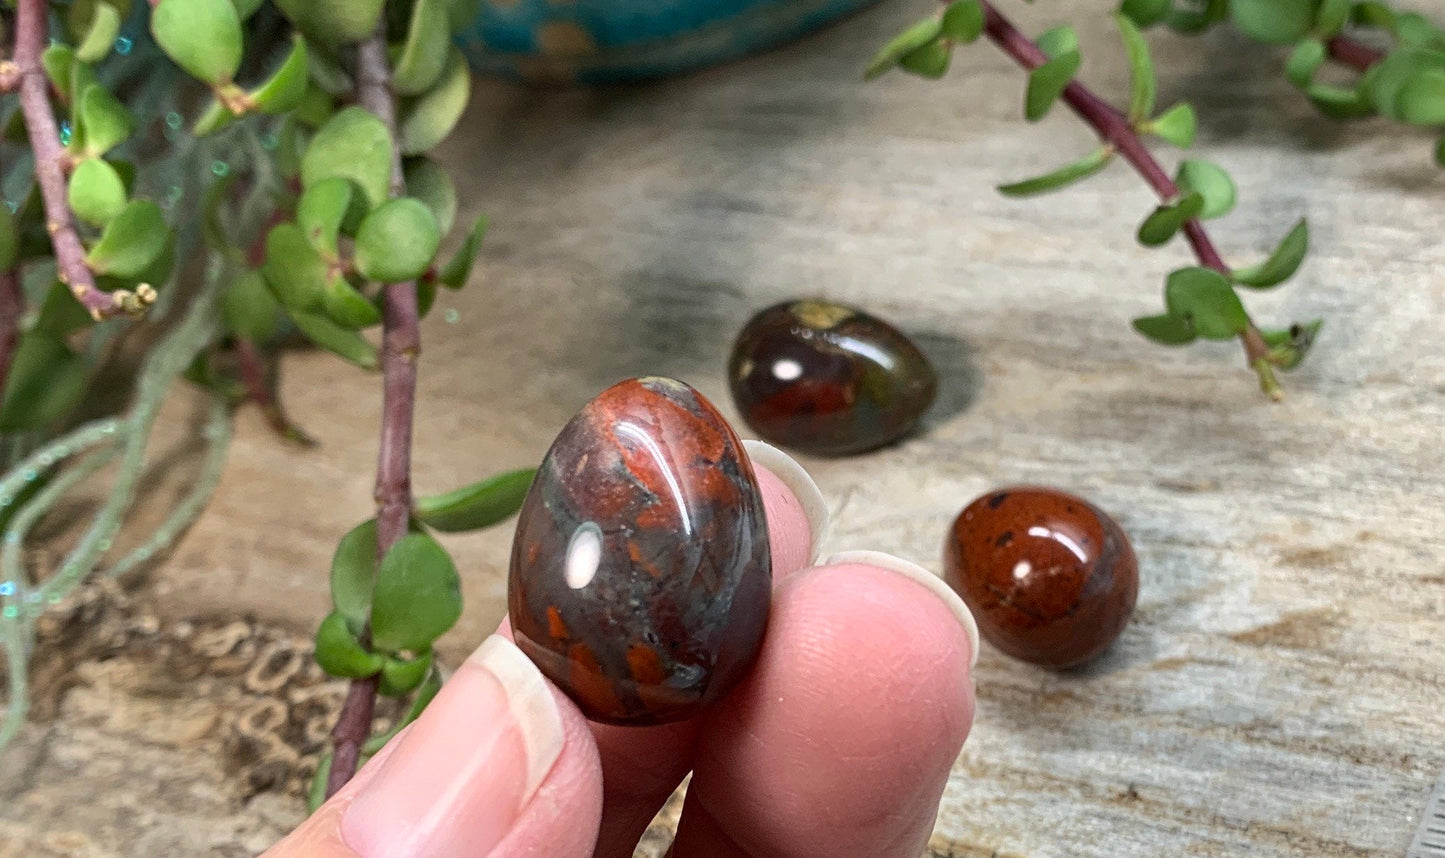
x=641 y=576
x=1051 y=578
x=828 y=379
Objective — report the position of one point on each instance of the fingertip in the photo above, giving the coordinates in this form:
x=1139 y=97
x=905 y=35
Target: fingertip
x=797 y=515
x=924 y=578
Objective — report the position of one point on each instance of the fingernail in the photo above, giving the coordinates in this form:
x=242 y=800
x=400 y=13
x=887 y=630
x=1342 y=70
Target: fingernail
x=917 y=573
x=797 y=481
x=461 y=776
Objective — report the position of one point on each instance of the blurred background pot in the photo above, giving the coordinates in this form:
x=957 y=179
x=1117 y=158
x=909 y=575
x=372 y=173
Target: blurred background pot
x=599 y=41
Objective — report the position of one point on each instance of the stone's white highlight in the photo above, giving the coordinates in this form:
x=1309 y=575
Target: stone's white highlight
x=785 y=468
x=1063 y=539
x=787 y=369
x=911 y=570
x=1022 y=570
x=584 y=555
x=530 y=700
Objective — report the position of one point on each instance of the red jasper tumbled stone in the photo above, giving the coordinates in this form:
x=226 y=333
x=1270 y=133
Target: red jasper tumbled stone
x=641 y=577
x=828 y=379
x=1051 y=578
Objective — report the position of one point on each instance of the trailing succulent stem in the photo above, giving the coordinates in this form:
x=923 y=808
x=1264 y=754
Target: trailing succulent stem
x=1402 y=80
x=322 y=218
x=1201 y=302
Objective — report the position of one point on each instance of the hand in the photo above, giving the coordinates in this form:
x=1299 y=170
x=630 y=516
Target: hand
x=837 y=745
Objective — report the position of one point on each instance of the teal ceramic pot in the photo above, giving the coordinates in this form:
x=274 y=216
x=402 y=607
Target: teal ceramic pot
x=599 y=41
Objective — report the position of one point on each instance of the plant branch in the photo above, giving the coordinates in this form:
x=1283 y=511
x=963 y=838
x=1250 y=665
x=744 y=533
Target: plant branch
x=1356 y=55
x=1113 y=128
x=400 y=346
x=12 y=307
x=251 y=365
x=31 y=32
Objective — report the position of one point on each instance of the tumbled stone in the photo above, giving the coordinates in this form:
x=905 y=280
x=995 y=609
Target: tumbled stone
x=640 y=575
x=1051 y=578
x=828 y=379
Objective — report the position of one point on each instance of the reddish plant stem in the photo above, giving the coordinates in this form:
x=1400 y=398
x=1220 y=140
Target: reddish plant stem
x=1354 y=54
x=12 y=307
x=400 y=347
x=1113 y=128
x=50 y=159
x=255 y=378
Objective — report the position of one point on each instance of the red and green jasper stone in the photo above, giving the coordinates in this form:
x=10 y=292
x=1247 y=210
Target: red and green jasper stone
x=828 y=379
x=1050 y=578
x=641 y=576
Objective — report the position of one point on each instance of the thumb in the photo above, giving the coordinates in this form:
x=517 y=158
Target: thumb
x=500 y=764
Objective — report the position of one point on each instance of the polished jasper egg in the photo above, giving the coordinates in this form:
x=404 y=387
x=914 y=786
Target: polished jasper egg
x=640 y=576
x=828 y=379
x=1051 y=578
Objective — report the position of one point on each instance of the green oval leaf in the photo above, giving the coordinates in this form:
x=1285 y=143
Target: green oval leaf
x=1166 y=329
x=58 y=62
x=456 y=272
x=131 y=241
x=916 y=36
x=429 y=182
x=1306 y=58
x=1178 y=125
x=1278 y=22
x=353 y=145
x=1062 y=177
x=1204 y=297
x=1058 y=41
x=417 y=596
x=1166 y=220
x=1212 y=183
x=100 y=34
x=1194 y=17
x=202 y=36
x=428 y=119
x=249 y=310
x=295 y=271
x=104 y=120
x=1339 y=103
x=1331 y=17
x=286 y=87
x=1143 y=87
x=397 y=241
x=320 y=212
x=347 y=307
x=478 y=505
x=1421 y=101
x=1282 y=264
x=1383 y=82
x=401 y=676
x=424 y=53
x=962 y=21
x=339 y=652
x=1047 y=82
x=333 y=22
x=46 y=381
x=1145 y=12
x=930 y=61
x=346 y=344
x=96 y=193
x=353 y=573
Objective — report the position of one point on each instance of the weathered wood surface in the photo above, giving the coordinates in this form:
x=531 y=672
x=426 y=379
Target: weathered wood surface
x=1281 y=690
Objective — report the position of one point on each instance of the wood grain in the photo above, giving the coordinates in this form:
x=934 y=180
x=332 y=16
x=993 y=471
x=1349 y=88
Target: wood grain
x=1281 y=690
